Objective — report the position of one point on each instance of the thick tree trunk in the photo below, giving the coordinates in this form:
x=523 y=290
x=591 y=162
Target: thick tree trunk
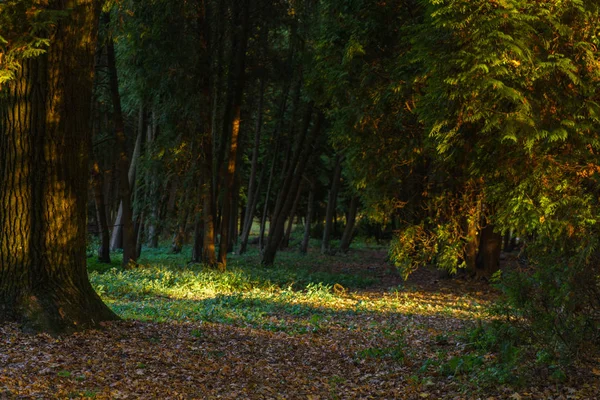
x=350 y=224
x=232 y=122
x=44 y=181
x=206 y=135
x=488 y=257
x=331 y=205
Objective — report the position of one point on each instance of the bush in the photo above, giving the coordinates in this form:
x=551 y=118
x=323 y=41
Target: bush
x=555 y=300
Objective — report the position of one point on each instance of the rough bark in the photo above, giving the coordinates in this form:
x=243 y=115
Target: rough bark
x=44 y=182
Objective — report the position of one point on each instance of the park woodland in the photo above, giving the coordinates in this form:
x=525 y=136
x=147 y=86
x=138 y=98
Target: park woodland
x=300 y=199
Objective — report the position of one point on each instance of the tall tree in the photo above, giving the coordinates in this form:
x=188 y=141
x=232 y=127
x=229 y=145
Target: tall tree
x=232 y=122
x=126 y=165
x=44 y=133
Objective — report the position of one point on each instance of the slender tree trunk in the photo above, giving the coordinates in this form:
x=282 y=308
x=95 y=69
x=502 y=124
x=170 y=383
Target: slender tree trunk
x=281 y=213
x=97 y=185
x=129 y=245
x=286 y=188
x=331 y=205
x=252 y=192
x=235 y=211
x=153 y=221
x=472 y=236
x=263 y=219
x=139 y=235
x=288 y=231
x=309 y=216
x=44 y=170
x=209 y=256
x=198 y=230
x=350 y=225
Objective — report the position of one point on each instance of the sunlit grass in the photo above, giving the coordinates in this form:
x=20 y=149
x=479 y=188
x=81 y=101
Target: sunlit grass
x=298 y=295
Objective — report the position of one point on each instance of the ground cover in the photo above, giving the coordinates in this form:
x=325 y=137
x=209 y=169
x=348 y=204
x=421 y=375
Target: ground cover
x=311 y=327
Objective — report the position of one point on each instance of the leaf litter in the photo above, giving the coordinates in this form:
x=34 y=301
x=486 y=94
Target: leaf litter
x=378 y=345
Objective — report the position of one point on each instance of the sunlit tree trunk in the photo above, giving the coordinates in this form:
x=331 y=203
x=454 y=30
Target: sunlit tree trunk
x=44 y=133
x=232 y=123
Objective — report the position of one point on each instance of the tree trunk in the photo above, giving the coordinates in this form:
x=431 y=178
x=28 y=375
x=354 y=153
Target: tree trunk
x=288 y=231
x=309 y=216
x=331 y=205
x=488 y=257
x=472 y=236
x=286 y=201
x=232 y=123
x=139 y=234
x=129 y=245
x=252 y=195
x=151 y=180
x=198 y=240
x=292 y=178
x=263 y=219
x=97 y=185
x=44 y=182
x=350 y=224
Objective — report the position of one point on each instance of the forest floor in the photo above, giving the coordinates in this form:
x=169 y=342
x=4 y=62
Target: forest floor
x=313 y=327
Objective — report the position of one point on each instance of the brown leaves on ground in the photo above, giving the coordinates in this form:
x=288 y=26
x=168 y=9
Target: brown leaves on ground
x=371 y=355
